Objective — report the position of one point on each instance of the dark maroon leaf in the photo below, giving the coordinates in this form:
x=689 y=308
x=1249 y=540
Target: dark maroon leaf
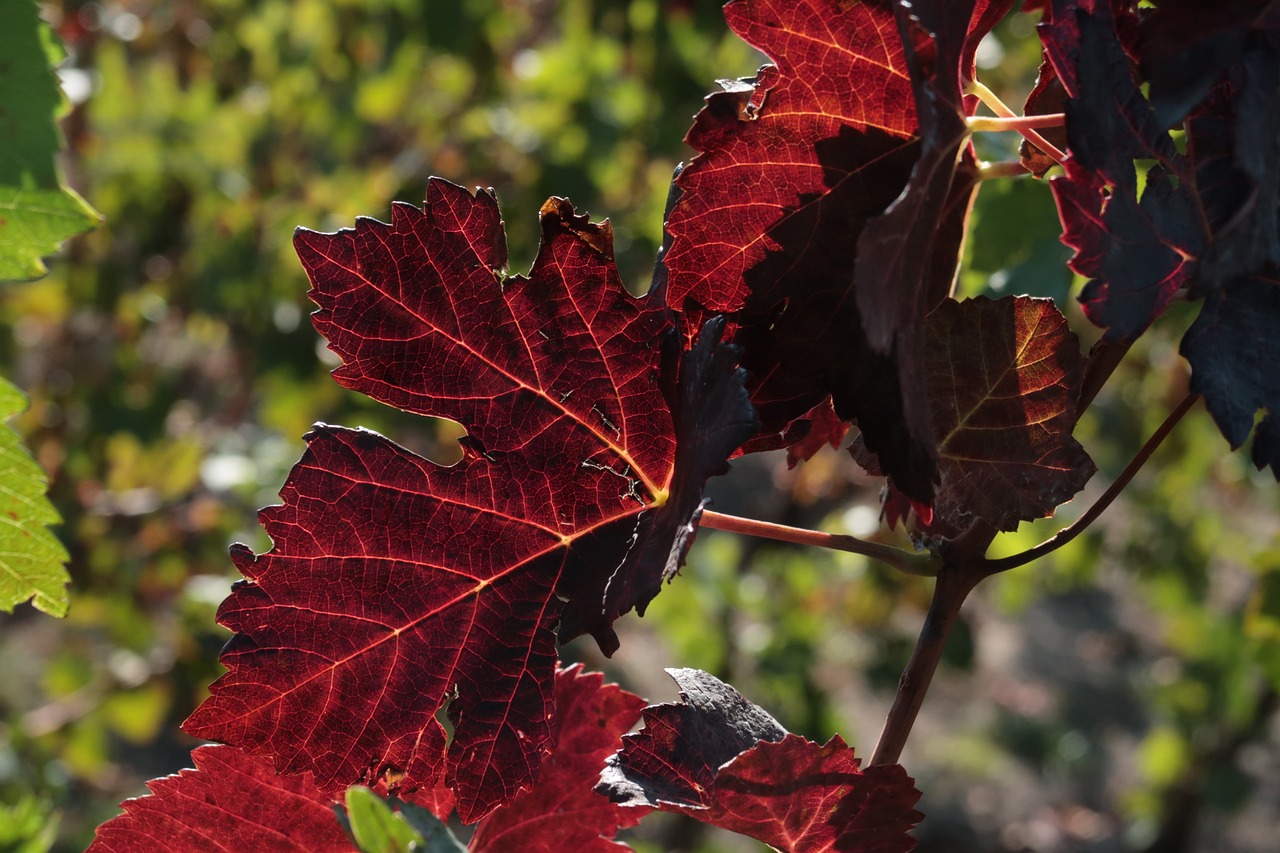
x=1004 y=379
x=1207 y=221
x=907 y=256
x=724 y=761
x=1234 y=350
x=396 y=586
x=562 y=812
x=231 y=802
x=1184 y=46
x=1136 y=252
x=1235 y=137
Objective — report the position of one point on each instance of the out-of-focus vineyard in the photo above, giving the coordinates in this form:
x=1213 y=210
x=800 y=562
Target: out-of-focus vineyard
x=1119 y=696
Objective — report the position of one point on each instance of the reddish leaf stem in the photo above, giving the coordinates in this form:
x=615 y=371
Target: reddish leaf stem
x=924 y=565
x=954 y=584
x=992 y=100
x=1075 y=528
x=1001 y=169
x=986 y=124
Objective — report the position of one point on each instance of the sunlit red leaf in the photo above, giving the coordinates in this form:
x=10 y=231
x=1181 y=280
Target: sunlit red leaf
x=724 y=761
x=231 y=802
x=396 y=586
x=793 y=165
x=562 y=812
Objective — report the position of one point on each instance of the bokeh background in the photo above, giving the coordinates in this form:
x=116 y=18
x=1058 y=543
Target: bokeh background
x=1118 y=696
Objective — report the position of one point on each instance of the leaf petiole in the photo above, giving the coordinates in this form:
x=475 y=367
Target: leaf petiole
x=922 y=565
x=987 y=124
x=1075 y=528
x=992 y=100
x=1001 y=169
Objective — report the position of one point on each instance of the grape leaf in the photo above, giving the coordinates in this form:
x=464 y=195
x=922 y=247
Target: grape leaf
x=724 y=761
x=1206 y=221
x=907 y=256
x=1233 y=352
x=793 y=164
x=36 y=211
x=1004 y=379
x=32 y=560
x=232 y=802
x=562 y=811
x=396 y=586
x=378 y=829
x=1184 y=46
x=1136 y=250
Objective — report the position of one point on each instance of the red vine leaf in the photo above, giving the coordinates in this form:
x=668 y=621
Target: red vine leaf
x=562 y=812
x=793 y=165
x=724 y=761
x=1004 y=378
x=232 y=802
x=396 y=586
x=1135 y=248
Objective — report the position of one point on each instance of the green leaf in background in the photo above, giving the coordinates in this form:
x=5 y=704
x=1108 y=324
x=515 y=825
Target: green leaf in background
x=36 y=212
x=27 y=826
x=32 y=560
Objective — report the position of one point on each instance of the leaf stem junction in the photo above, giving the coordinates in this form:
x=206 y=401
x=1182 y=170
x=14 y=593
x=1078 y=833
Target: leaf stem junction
x=1018 y=123
x=1075 y=528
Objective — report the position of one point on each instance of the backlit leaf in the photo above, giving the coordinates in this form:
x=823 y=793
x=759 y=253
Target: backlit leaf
x=793 y=165
x=32 y=560
x=231 y=802
x=396 y=586
x=562 y=811
x=724 y=761
x=36 y=211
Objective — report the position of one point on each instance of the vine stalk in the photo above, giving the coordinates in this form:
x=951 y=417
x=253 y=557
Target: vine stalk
x=924 y=565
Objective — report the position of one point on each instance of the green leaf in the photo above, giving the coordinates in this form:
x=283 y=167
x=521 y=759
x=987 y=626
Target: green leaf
x=376 y=828
x=36 y=212
x=27 y=826
x=32 y=560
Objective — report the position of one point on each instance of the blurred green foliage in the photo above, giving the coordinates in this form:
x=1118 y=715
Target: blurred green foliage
x=172 y=371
